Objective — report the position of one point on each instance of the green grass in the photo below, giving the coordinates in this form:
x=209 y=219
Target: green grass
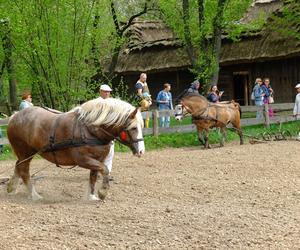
x=189 y=139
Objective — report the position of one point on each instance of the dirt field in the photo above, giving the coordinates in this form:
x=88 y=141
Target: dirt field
x=236 y=197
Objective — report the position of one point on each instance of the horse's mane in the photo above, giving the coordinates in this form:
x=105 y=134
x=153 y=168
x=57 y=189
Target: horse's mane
x=107 y=112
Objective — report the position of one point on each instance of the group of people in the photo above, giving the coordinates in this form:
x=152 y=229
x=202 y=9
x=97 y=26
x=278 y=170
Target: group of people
x=262 y=94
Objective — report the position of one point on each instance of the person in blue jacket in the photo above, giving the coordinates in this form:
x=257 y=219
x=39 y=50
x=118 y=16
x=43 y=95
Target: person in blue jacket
x=164 y=101
x=259 y=94
x=214 y=94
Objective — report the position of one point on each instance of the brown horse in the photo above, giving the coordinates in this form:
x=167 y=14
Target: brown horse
x=206 y=115
x=80 y=137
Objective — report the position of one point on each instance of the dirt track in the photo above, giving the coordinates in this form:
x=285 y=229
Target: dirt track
x=236 y=197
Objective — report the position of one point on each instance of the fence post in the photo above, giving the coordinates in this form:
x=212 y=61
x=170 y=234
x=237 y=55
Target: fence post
x=155 y=122
x=266 y=114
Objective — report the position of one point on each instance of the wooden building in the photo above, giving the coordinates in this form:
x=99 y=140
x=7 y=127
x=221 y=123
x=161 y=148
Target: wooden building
x=154 y=49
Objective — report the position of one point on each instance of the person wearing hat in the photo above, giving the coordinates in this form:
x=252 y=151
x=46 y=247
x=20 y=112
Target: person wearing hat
x=194 y=88
x=296 y=111
x=105 y=91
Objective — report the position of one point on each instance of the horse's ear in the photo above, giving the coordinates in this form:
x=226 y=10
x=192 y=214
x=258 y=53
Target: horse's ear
x=133 y=114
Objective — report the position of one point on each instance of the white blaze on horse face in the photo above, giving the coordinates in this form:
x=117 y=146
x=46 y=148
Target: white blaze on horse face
x=141 y=144
x=178 y=112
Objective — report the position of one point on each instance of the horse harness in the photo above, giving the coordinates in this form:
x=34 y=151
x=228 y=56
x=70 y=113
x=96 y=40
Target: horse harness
x=205 y=115
x=73 y=142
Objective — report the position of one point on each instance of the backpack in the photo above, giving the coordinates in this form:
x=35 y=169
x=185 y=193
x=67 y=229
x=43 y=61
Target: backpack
x=252 y=95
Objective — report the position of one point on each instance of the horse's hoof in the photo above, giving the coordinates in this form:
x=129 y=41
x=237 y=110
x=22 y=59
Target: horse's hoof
x=10 y=189
x=36 y=197
x=93 y=197
x=101 y=195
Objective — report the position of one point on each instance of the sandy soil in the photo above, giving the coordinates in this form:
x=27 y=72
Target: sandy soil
x=236 y=197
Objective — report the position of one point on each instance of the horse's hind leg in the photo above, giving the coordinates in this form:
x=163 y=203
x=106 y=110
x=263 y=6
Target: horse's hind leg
x=240 y=133
x=22 y=170
x=13 y=182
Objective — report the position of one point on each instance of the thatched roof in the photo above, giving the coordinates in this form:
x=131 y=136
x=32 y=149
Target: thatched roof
x=152 y=46
x=259 y=7
x=264 y=45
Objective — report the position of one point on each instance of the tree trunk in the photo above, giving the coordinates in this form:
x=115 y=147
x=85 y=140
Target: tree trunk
x=8 y=47
x=187 y=33
x=217 y=40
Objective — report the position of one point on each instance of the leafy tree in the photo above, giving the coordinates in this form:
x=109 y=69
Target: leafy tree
x=287 y=22
x=58 y=46
x=200 y=25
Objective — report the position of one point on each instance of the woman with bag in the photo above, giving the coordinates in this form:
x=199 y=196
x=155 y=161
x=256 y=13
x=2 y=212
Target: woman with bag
x=268 y=97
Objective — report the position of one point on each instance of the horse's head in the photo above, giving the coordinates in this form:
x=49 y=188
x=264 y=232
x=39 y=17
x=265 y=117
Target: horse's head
x=132 y=134
x=116 y=119
x=192 y=103
x=179 y=112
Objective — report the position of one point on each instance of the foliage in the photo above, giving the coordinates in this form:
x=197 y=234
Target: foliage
x=286 y=23
x=188 y=139
x=203 y=23
x=121 y=91
x=59 y=46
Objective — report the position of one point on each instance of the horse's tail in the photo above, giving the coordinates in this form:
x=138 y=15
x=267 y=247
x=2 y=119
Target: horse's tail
x=238 y=106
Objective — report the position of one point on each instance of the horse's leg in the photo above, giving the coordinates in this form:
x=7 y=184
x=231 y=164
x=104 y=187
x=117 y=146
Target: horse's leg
x=92 y=183
x=237 y=126
x=13 y=181
x=207 y=146
x=22 y=170
x=240 y=133
x=200 y=137
x=102 y=193
x=223 y=135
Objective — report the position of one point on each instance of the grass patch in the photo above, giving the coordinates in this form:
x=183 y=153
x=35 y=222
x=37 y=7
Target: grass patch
x=189 y=139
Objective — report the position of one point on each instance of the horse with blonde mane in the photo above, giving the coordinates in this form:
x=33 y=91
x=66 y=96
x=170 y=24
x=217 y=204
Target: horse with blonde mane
x=80 y=137
x=207 y=115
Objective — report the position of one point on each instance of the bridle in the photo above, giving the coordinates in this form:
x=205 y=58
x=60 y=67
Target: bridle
x=182 y=109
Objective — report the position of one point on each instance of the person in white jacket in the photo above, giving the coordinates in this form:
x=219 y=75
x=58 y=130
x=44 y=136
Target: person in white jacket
x=296 y=111
x=105 y=91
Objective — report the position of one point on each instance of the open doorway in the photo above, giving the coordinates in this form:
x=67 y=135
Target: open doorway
x=241 y=87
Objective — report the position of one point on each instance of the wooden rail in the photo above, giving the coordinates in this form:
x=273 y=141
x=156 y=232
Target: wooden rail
x=156 y=130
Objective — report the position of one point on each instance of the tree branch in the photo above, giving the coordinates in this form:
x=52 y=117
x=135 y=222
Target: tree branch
x=131 y=19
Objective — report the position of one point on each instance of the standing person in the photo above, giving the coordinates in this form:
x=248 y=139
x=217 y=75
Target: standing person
x=194 y=88
x=214 y=95
x=259 y=97
x=26 y=101
x=143 y=94
x=296 y=111
x=268 y=92
x=164 y=100
x=105 y=92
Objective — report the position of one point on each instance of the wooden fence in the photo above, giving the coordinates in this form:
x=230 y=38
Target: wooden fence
x=156 y=130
